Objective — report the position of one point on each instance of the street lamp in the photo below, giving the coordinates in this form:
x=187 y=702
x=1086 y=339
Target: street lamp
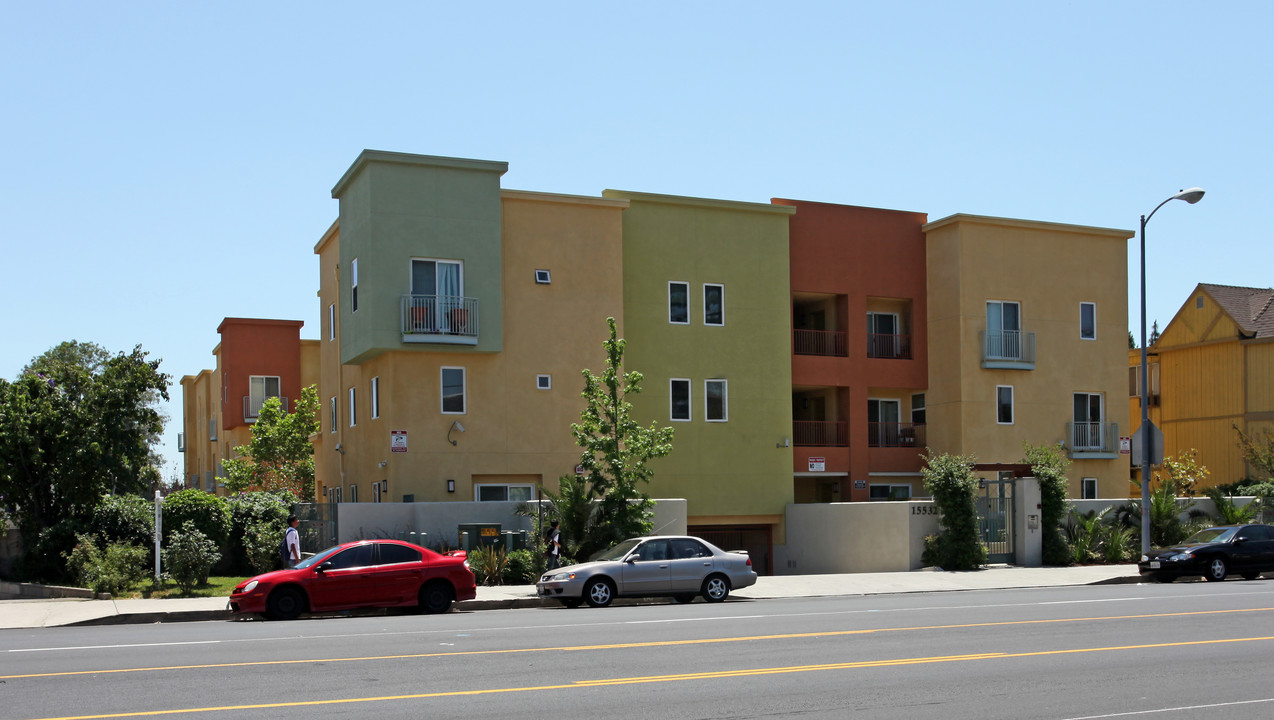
x=1192 y=196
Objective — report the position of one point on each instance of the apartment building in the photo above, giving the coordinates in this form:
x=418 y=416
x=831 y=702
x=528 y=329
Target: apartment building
x=255 y=360
x=1211 y=370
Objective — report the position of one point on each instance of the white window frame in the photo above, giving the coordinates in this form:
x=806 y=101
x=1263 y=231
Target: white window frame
x=923 y=403
x=335 y=417
x=353 y=285
x=725 y=400
x=1012 y=402
x=1083 y=305
x=890 y=497
x=353 y=410
x=464 y=391
x=334 y=494
x=685 y=285
x=257 y=402
x=720 y=287
x=543 y=277
x=331 y=322
x=477 y=490
x=376 y=397
x=671 y=400
x=353 y=493
x=543 y=382
x=1084 y=485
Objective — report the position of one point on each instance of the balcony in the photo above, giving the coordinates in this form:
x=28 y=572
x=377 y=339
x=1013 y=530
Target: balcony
x=447 y=319
x=889 y=346
x=1007 y=350
x=828 y=343
x=895 y=435
x=1093 y=440
x=252 y=406
x=819 y=433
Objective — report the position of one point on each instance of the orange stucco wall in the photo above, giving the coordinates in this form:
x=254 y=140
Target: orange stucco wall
x=250 y=347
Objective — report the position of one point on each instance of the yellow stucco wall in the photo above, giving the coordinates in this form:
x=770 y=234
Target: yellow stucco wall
x=1049 y=269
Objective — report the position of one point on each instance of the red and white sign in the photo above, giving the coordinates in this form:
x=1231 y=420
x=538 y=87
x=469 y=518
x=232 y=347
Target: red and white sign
x=818 y=464
x=1125 y=445
x=398 y=441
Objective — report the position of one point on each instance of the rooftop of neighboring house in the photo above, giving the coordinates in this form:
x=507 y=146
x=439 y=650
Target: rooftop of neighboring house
x=1251 y=308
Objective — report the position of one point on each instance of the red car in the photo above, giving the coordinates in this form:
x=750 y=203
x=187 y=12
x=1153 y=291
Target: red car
x=367 y=573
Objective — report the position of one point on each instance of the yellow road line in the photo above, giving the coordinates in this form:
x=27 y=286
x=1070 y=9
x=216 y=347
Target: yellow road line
x=717 y=675
x=623 y=646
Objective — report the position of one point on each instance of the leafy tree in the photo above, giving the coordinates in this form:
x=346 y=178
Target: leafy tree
x=77 y=423
x=189 y=557
x=208 y=513
x=114 y=570
x=257 y=523
x=616 y=451
x=1049 y=465
x=125 y=519
x=1154 y=334
x=958 y=545
x=1258 y=451
x=1132 y=342
x=280 y=455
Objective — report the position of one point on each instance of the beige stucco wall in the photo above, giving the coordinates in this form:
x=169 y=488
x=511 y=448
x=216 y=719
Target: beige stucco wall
x=855 y=537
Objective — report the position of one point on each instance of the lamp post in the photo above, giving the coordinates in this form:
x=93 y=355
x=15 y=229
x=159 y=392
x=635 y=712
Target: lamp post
x=1192 y=196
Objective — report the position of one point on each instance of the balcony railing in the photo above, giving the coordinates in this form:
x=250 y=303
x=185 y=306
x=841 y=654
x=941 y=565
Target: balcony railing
x=441 y=316
x=252 y=406
x=889 y=346
x=829 y=343
x=903 y=435
x=1008 y=349
x=817 y=433
x=1093 y=437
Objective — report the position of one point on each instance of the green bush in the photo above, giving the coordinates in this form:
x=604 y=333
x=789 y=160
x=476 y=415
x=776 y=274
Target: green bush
x=1049 y=465
x=523 y=568
x=254 y=517
x=125 y=519
x=189 y=557
x=117 y=569
x=488 y=564
x=45 y=559
x=209 y=514
x=958 y=545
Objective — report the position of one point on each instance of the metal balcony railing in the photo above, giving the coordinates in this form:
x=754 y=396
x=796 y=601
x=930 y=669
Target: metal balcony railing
x=889 y=346
x=895 y=435
x=1008 y=346
x=440 y=315
x=1093 y=437
x=818 y=433
x=829 y=343
x=252 y=406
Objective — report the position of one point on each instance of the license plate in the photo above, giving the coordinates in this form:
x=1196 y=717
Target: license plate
x=1154 y=564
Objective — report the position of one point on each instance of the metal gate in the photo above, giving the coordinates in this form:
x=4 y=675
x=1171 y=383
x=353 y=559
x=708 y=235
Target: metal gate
x=317 y=527
x=995 y=510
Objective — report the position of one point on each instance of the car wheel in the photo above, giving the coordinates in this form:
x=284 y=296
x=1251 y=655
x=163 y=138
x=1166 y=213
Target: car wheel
x=572 y=603
x=715 y=588
x=684 y=598
x=1251 y=575
x=1216 y=570
x=284 y=604
x=599 y=593
x=436 y=597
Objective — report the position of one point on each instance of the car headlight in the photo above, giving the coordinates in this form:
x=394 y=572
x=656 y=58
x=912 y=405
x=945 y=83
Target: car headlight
x=558 y=577
x=1183 y=556
x=1145 y=558
x=252 y=585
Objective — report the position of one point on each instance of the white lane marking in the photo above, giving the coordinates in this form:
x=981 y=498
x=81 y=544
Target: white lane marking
x=1183 y=708
x=115 y=647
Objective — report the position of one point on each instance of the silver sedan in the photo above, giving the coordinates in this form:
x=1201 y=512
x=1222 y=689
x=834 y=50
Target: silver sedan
x=680 y=567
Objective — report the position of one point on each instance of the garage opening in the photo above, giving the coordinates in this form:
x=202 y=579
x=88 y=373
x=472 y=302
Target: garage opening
x=756 y=539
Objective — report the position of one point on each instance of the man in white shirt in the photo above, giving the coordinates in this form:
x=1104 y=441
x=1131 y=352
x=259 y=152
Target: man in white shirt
x=293 y=541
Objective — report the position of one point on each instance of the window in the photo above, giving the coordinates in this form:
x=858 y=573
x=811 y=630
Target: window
x=1087 y=433
x=437 y=291
x=502 y=493
x=394 y=554
x=1088 y=321
x=453 y=391
x=542 y=277
x=331 y=321
x=713 y=304
x=679 y=303
x=1088 y=488
x=331 y=423
x=353 y=415
x=1134 y=380
x=883 y=337
x=260 y=387
x=889 y=492
x=375 y=397
x=715 y=401
x=212 y=429
x=355 y=557
x=544 y=382
x=1003 y=329
x=353 y=285
x=687 y=548
x=883 y=424
x=918 y=408
x=353 y=493
x=333 y=494
x=679 y=399
x=1004 y=404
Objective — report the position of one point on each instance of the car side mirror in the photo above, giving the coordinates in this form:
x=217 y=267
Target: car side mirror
x=323 y=567
x=630 y=559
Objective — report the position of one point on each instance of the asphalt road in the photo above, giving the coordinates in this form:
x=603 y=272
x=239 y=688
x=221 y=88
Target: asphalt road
x=1186 y=650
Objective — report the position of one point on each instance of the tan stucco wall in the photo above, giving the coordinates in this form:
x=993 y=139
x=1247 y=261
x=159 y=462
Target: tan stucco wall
x=855 y=537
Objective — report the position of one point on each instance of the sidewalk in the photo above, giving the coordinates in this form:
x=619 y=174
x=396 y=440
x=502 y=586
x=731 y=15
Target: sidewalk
x=71 y=611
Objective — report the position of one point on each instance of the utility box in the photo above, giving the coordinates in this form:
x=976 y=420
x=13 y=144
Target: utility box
x=481 y=535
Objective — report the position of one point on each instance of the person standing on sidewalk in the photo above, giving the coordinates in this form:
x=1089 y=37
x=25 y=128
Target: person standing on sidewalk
x=292 y=541
x=553 y=546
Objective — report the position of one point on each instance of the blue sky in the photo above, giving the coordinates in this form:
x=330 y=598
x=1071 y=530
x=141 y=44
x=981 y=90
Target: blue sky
x=170 y=164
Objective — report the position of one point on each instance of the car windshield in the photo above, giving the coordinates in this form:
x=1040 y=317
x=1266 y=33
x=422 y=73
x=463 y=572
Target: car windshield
x=1211 y=535
x=619 y=550
x=318 y=558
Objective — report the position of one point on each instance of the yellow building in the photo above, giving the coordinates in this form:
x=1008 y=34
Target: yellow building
x=1211 y=370
x=1027 y=328
x=456 y=316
